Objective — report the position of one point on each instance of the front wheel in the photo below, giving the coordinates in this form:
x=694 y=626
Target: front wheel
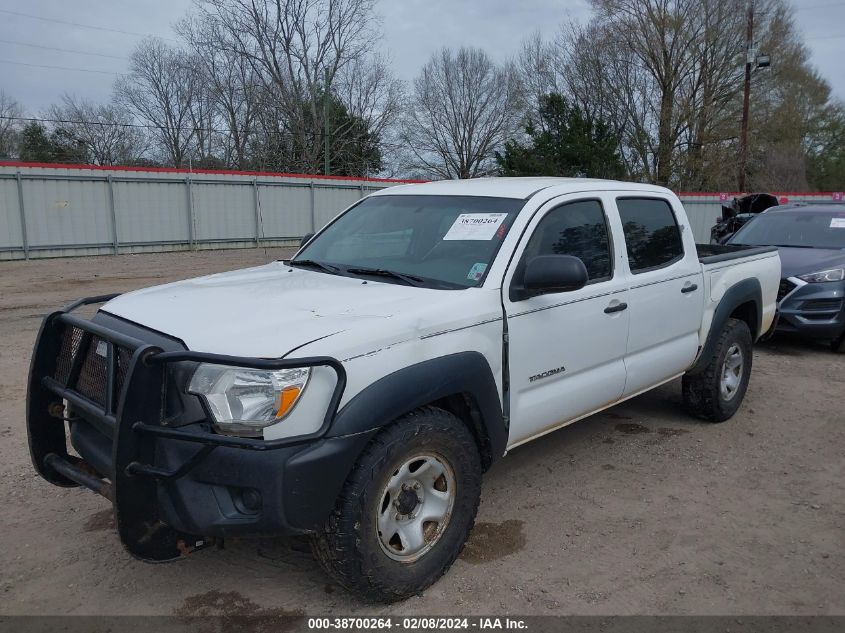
x=406 y=510
x=715 y=393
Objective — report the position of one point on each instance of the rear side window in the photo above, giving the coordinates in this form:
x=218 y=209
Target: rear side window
x=652 y=235
x=579 y=229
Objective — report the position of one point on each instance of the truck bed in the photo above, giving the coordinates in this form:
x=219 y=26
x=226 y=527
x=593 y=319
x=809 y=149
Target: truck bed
x=727 y=267
x=714 y=253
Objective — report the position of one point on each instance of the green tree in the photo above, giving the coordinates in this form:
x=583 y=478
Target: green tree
x=564 y=142
x=826 y=152
x=60 y=146
x=35 y=146
x=353 y=149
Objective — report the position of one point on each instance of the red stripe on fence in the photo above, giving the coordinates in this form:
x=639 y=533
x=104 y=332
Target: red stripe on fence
x=225 y=172
x=734 y=194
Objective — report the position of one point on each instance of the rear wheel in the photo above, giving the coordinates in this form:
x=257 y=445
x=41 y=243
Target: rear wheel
x=406 y=510
x=716 y=392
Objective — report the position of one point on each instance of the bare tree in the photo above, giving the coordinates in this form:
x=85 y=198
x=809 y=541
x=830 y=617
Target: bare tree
x=230 y=81
x=372 y=97
x=654 y=58
x=204 y=112
x=105 y=130
x=11 y=113
x=667 y=74
x=297 y=48
x=160 y=90
x=272 y=146
x=463 y=108
x=597 y=74
x=536 y=67
x=641 y=66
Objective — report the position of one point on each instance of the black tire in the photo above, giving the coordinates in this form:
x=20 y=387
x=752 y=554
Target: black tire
x=702 y=391
x=350 y=548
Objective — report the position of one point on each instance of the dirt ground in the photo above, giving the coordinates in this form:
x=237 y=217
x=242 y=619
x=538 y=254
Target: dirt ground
x=638 y=510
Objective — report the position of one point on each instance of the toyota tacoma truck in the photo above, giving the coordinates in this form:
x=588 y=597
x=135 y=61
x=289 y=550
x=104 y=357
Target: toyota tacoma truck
x=357 y=392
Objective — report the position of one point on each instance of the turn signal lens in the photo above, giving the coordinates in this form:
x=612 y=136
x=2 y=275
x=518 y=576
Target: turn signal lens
x=287 y=399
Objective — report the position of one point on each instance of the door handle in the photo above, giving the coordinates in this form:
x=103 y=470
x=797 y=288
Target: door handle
x=617 y=308
x=689 y=288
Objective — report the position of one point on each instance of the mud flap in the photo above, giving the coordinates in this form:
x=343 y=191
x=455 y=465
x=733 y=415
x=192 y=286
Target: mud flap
x=771 y=331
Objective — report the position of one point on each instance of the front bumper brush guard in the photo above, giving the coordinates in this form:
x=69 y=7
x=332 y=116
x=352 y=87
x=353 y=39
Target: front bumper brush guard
x=133 y=419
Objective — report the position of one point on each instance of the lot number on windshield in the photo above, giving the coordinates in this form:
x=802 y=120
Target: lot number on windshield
x=475 y=226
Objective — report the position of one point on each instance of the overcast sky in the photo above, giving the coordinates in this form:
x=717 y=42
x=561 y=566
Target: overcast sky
x=413 y=29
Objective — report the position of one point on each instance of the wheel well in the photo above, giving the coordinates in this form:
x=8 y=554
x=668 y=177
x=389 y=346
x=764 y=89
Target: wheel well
x=748 y=312
x=464 y=407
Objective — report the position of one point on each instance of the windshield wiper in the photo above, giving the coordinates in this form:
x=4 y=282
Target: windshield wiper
x=793 y=246
x=310 y=263
x=411 y=280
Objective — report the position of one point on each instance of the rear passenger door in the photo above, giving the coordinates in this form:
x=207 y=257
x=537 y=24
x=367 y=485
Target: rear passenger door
x=666 y=297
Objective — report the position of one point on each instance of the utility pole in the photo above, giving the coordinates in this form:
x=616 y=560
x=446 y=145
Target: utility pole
x=326 y=128
x=746 y=98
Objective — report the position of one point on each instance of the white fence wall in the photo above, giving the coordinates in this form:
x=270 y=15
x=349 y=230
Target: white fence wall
x=66 y=211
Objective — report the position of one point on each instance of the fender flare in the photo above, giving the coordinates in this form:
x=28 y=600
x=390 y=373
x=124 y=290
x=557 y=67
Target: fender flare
x=747 y=290
x=409 y=388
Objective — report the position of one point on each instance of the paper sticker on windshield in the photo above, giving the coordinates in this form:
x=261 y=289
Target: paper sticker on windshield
x=476 y=272
x=837 y=223
x=475 y=226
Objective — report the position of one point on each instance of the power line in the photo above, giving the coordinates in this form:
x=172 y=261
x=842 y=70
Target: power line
x=81 y=25
x=83 y=70
x=61 y=50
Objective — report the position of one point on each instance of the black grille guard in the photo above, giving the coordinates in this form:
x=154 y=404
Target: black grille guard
x=132 y=416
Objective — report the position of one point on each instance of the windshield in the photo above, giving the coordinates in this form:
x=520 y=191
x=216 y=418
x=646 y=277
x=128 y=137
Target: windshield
x=804 y=228
x=433 y=241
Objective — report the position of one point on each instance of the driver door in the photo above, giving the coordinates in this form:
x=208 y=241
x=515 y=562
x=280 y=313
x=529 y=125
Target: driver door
x=566 y=350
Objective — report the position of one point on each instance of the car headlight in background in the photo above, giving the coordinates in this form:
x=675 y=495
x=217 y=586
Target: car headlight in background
x=243 y=401
x=834 y=274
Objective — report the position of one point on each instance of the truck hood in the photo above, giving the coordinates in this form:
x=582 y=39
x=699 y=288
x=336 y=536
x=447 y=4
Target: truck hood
x=269 y=311
x=800 y=261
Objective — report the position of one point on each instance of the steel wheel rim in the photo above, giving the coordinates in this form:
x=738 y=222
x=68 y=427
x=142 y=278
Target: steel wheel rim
x=731 y=373
x=415 y=506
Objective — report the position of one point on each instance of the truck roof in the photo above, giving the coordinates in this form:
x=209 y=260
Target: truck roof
x=518 y=188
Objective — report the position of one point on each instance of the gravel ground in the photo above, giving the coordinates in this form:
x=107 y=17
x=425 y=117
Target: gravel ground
x=638 y=510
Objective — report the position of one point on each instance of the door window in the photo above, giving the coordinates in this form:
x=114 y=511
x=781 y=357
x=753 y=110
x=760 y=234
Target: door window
x=578 y=229
x=651 y=233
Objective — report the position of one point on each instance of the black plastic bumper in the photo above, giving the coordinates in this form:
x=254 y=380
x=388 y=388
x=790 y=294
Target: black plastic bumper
x=171 y=485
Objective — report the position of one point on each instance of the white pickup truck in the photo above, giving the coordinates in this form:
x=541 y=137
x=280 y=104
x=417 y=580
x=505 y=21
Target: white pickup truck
x=357 y=392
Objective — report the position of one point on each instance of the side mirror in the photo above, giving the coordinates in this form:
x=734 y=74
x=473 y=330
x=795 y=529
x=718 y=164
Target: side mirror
x=305 y=239
x=546 y=274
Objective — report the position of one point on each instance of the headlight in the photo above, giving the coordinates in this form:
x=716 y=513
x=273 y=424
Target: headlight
x=243 y=401
x=834 y=274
